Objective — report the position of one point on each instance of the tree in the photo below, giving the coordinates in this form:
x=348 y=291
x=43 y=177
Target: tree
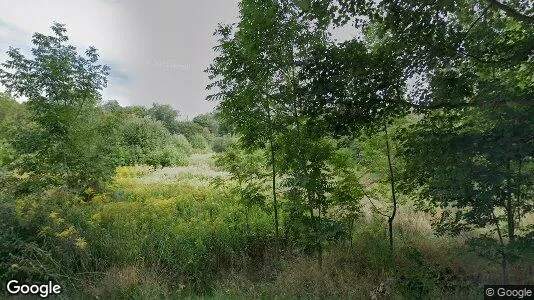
x=477 y=166
x=12 y=116
x=147 y=141
x=191 y=131
x=111 y=106
x=167 y=115
x=466 y=66
x=268 y=77
x=379 y=167
x=66 y=142
x=436 y=40
x=208 y=121
x=246 y=74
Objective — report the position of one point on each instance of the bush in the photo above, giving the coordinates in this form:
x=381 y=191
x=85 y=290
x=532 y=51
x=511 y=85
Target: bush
x=146 y=141
x=198 y=141
x=6 y=152
x=181 y=142
x=44 y=237
x=220 y=144
x=141 y=136
x=165 y=157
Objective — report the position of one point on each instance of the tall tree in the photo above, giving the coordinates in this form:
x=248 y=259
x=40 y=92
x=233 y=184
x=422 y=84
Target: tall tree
x=247 y=75
x=265 y=75
x=477 y=166
x=167 y=115
x=66 y=143
x=466 y=66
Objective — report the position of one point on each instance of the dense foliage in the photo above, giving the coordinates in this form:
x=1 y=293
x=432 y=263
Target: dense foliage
x=397 y=163
x=461 y=70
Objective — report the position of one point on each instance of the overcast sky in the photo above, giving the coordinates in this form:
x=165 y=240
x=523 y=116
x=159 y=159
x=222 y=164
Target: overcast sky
x=157 y=50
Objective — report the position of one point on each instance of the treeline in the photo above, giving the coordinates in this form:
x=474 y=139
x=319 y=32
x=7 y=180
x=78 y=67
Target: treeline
x=83 y=146
x=155 y=136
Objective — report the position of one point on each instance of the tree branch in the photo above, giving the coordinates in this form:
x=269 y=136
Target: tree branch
x=435 y=105
x=477 y=19
x=511 y=12
x=373 y=204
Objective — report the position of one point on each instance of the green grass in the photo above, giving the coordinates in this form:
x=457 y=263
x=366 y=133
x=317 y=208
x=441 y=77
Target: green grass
x=169 y=233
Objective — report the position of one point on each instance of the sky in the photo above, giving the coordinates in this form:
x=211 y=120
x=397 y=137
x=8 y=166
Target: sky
x=157 y=50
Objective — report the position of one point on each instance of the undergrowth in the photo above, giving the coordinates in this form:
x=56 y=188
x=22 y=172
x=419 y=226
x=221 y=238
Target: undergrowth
x=181 y=237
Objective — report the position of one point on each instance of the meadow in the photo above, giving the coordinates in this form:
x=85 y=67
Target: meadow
x=172 y=233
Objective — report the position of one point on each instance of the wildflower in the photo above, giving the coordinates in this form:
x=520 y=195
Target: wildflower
x=81 y=243
x=67 y=232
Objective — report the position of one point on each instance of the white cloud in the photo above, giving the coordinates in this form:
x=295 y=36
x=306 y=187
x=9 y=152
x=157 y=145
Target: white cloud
x=157 y=49
x=98 y=23
x=89 y=23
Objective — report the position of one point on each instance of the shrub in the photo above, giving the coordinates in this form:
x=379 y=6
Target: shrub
x=198 y=141
x=181 y=142
x=146 y=141
x=220 y=144
x=166 y=156
x=6 y=152
x=140 y=136
x=44 y=237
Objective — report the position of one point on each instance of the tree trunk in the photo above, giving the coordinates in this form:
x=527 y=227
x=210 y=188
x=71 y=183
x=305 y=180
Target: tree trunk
x=393 y=194
x=390 y=227
x=504 y=265
x=273 y=165
x=510 y=219
x=351 y=232
x=319 y=240
x=518 y=195
x=275 y=203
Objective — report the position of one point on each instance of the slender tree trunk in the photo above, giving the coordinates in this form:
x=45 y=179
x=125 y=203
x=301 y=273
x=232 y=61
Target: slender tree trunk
x=351 y=232
x=275 y=203
x=504 y=265
x=247 y=209
x=273 y=166
x=504 y=269
x=390 y=227
x=510 y=219
x=247 y=220
x=518 y=195
x=304 y=169
x=319 y=239
x=393 y=194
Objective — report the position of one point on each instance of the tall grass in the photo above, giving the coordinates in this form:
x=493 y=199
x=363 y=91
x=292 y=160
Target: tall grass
x=168 y=233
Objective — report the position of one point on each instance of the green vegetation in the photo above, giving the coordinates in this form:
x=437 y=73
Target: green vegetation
x=396 y=164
